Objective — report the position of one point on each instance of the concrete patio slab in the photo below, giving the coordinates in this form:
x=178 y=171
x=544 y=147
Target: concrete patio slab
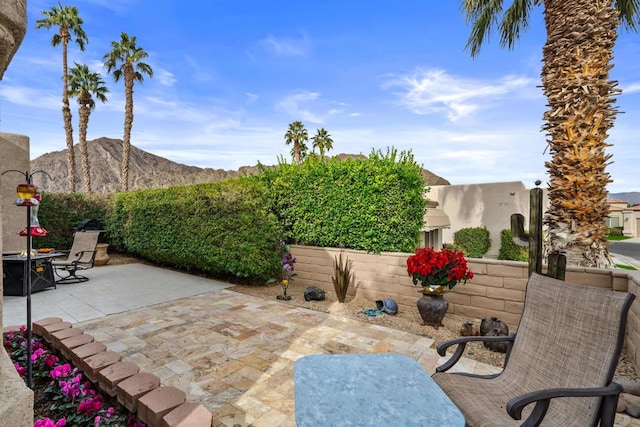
x=110 y=290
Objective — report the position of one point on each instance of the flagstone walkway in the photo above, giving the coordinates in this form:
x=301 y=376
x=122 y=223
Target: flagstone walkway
x=235 y=353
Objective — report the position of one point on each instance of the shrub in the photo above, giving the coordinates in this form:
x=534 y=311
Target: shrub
x=509 y=250
x=223 y=228
x=60 y=212
x=374 y=204
x=615 y=231
x=474 y=241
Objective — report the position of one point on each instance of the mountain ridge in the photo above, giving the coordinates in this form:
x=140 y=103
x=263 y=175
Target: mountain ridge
x=146 y=170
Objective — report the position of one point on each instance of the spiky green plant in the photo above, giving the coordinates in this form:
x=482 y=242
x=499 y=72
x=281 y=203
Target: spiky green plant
x=343 y=276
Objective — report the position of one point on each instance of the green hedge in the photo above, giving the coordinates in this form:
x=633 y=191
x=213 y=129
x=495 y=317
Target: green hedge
x=222 y=228
x=374 y=204
x=616 y=231
x=509 y=250
x=474 y=241
x=60 y=212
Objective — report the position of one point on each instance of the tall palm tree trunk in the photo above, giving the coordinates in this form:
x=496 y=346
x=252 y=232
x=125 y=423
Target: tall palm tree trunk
x=68 y=129
x=128 y=123
x=577 y=58
x=296 y=151
x=82 y=142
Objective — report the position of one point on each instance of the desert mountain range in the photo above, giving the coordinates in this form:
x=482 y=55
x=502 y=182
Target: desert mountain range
x=146 y=170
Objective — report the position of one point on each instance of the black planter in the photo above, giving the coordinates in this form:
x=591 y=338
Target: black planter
x=432 y=308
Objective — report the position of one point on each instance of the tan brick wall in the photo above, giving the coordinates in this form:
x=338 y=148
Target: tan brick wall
x=497 y=289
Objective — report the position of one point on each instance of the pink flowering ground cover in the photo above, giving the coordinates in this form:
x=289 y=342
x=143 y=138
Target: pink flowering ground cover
x=62 y=395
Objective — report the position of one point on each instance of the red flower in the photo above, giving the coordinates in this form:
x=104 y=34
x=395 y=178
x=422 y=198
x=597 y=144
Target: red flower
x=443 y=268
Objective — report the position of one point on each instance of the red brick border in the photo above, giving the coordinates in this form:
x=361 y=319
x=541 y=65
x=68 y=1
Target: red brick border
x=141 y=393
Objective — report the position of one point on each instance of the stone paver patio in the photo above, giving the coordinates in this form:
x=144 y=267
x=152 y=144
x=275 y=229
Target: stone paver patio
x=235 y=353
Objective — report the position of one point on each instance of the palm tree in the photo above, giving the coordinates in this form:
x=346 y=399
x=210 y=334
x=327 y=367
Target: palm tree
x=70 y=26
x=577 y=57
x=297 y=135
x=83 y=85
x=322 y=140
x=124 y=60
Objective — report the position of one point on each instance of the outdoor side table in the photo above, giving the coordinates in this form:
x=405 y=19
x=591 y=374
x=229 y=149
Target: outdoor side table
x=40 y=268
x=369 y=390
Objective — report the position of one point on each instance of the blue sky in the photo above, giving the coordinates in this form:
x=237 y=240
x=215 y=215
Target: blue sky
x=229 y=76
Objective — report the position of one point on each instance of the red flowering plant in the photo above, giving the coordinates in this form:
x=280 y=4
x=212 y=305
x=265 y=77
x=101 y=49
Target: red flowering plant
x=438 y=271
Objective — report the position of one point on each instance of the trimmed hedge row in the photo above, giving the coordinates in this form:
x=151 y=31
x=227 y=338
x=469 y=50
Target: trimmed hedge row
x=60 y=212
x=373 y=204
x=224 y=228
x=233 y=227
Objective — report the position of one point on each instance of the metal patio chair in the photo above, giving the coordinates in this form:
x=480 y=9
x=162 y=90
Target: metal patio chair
x=80 y=257
x=559 y=365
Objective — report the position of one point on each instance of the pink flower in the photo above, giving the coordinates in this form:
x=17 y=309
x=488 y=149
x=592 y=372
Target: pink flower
x=39 y=352
x=90 y=405
x=20 y=369
x=60 y=371
x=50 y=360
x=10 y=335
x=23 y=328
x=47 y=422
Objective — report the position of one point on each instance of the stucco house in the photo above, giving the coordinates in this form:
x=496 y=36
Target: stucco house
x=490 y=205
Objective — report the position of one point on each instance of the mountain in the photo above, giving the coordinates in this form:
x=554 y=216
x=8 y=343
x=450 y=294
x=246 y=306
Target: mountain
x=631 y=197
x=146 y=170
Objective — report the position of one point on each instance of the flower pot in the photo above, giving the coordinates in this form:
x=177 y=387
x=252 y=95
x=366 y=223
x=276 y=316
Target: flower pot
x=102 y=257
x=432 y=308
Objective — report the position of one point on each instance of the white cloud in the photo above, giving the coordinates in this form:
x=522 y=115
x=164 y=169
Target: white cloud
x=251 y=97
x=164 y=77
x=31 y=97
x=434 y=91
x=301 y=103
x=633 y=87
x=285 y=46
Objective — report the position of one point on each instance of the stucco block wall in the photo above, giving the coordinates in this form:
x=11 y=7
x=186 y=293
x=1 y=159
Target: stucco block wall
x=14 y=154
x=483 y=205
x=497 y=288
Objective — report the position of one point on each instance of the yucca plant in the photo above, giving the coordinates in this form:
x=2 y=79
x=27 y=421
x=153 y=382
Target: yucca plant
x=343 y=276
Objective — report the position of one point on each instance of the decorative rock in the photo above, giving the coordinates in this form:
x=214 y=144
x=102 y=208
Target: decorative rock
x=153 y=406
x=633 y=410
x=622 y=405
x=131 y=389
x=494 y=327
x=188 y=415
x=629 y=386
x=468 y=329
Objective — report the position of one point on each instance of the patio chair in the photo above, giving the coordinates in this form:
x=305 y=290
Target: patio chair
x=80 y=257
x=562 y=359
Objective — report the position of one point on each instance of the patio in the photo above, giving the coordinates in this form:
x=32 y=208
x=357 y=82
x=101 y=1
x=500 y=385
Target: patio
x=231 y=352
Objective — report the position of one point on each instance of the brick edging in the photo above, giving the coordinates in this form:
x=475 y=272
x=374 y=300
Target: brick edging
x=139 y=392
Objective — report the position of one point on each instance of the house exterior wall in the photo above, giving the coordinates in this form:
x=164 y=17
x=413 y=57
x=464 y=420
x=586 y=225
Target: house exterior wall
x=483 y=205
x=497 y=288
x=16 y=399
x=631 y=222
x=14 y=154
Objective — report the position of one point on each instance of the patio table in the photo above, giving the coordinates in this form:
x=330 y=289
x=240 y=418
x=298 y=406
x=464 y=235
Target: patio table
x=368 y=390
x=40 y=268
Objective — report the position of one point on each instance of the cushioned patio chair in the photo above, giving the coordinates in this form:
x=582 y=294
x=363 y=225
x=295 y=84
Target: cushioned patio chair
x=80 y=257
x=559 y=365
